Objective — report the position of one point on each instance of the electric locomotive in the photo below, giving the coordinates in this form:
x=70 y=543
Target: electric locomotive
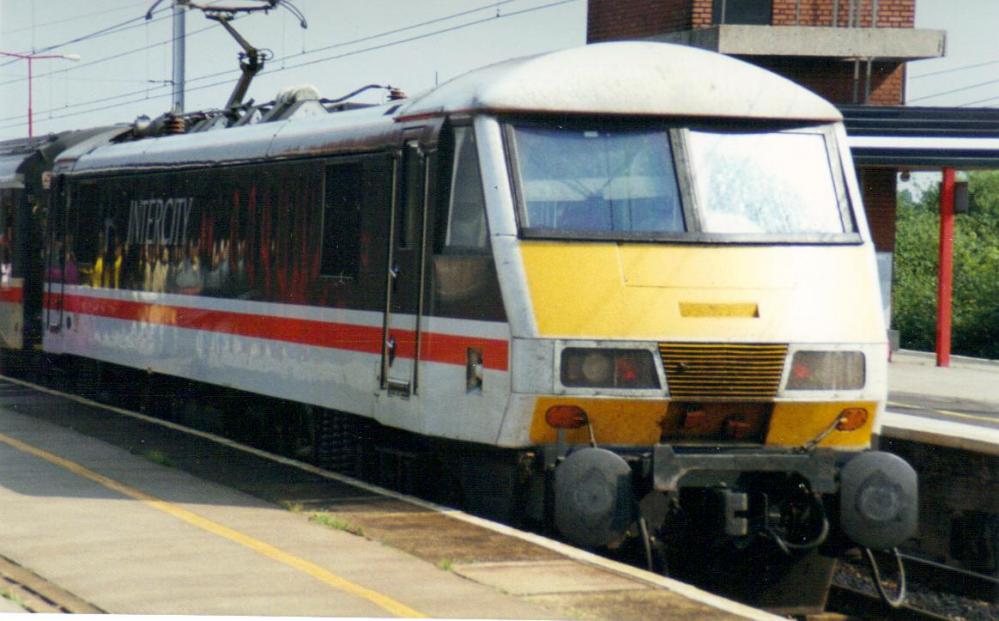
x=626 y=289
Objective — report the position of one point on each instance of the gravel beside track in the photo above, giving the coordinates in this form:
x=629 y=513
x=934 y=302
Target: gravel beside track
x=858 y=576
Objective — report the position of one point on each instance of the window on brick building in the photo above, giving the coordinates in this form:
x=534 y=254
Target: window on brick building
x=752 y=12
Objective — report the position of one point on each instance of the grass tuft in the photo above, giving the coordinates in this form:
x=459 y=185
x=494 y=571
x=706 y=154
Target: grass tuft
x=158 y=457
x=331 y=521
x=13 y=596
x=446 y=564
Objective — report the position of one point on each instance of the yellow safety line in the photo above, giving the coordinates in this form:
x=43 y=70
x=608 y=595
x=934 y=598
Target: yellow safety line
x=387 y=603
x=987 y=419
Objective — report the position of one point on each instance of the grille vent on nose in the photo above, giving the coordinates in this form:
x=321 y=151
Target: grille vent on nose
x=723 y=370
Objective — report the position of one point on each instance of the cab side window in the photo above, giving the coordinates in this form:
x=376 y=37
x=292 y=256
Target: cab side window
x=466 y=232
x=342 y=220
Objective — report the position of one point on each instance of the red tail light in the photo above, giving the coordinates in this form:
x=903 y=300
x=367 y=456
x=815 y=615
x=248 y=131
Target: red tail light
x=627 y=371
x=565 y=417
x=801 y=371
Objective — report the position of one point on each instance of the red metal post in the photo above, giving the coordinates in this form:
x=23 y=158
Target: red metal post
x=945 y=278
x=29 y=58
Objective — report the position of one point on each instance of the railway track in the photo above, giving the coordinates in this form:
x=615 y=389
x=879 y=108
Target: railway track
x=35 y=594
x=951 y=579
x=934 y=591
x=857 y=603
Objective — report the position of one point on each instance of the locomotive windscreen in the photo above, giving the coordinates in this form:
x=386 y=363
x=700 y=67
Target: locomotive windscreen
x=764 y=182
x=628 y=181
x=598 y=179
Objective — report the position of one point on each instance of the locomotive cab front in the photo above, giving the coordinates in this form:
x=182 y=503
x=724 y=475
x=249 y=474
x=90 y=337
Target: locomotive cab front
x=698 y=353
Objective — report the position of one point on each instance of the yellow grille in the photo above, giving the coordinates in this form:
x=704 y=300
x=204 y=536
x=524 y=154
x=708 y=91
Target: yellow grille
x=716 y=370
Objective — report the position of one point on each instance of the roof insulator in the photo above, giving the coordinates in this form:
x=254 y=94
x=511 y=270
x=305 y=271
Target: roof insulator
x=293 y=94
x=141 y=124
x=176 y=125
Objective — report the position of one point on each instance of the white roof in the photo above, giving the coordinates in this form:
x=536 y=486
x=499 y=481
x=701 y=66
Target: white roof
x=631 y=78
x=312 y=135
x=622 y=78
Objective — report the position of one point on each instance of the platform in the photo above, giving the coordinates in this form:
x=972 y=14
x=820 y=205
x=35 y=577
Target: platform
x=956 y=406
x=973 y=380
x=133 y=517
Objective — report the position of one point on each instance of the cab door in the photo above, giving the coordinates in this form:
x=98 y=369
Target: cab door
x=55 y=267
x=405 y=274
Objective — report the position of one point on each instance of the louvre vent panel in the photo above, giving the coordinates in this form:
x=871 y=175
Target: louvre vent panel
x=708 y=370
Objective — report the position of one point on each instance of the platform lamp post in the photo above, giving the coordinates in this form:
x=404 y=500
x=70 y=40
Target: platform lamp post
x=30 y=58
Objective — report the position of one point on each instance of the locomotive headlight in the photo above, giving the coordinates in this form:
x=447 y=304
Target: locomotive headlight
x=827 y=370
x=597 y=369
x=586 y=367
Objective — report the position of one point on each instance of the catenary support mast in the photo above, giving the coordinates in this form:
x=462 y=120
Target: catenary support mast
x=179 y=39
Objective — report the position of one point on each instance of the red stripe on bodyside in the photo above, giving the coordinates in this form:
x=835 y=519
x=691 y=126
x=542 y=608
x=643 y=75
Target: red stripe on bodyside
x=12 y=295
x=435 y=346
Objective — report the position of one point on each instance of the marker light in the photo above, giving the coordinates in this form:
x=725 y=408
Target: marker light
x=827 y=370
x=565 y=417
x=851 y=419
x=588 y=367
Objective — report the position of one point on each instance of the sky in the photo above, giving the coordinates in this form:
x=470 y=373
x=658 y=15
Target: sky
x=968 y=75
x=126 y=72
x=405 y=43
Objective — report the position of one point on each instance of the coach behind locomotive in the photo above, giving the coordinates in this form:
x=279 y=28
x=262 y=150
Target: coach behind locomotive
x=627 y=288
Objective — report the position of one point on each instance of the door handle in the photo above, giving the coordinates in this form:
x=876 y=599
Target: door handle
x=390 y=348
x=394 y=275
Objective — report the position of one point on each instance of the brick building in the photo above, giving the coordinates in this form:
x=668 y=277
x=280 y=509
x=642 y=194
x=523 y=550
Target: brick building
x=857 y=57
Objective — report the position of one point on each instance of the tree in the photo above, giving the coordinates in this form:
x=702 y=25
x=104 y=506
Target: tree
x=976 y=267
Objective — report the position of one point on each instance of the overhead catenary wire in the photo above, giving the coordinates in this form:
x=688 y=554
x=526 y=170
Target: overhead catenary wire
x=122 y=54
x=424 y=35
x=115 y=29
x=954 y=69
x=363 y=39
x=959 y=89
x=978 y=102
x=95 y=78
x=90 y=102
x=228 y=72
x=347 y=54
x=104 y=59
x=162 y=83
x=125 y=7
